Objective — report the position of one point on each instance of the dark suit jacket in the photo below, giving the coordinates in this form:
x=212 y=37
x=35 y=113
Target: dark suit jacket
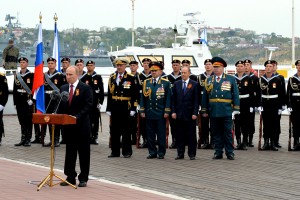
x=80 y=107
x=185 y=105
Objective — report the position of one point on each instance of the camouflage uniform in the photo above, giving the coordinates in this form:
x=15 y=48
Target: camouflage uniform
x=10 y=57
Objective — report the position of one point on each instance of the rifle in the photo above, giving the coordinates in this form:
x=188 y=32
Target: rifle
x=109 y=143
x=100 y=119
x=199 y=131
x=260 y=131
x=232 y=132
x=138 y=133
x=290 y=134
x=167 y=131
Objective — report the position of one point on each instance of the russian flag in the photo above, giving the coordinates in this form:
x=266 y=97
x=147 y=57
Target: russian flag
x=203 y=37
x=56 y=48
x=38 y=79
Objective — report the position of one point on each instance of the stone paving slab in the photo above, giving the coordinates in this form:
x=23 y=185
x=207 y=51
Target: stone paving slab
x=253 y=175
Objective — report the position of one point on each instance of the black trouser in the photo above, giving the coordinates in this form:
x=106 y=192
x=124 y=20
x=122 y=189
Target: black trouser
x=143 y=130
x=94 y=120
x=120 y=127
x=56 y=132
x=270 y=119
x=1 y=125
x=24 y=112
x=186 y=129
x=173 y=126
x=80 y=144
x=242 y=125
x=251 y=123
x=205 y=129
x=133 y=127
x=295 y=119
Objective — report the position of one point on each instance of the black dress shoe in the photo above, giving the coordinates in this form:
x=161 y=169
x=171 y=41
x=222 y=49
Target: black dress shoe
x=216 y=157
x=62 y=142
x=192 y=158
x=36 y=141
x=56 y=144
x=230 y=157
x=82 y=184
x=278 y=145
x=20 y=143
x=113 y=156
x=151 y=156
x=179 y=157
x=66 y=184
x=127 y=156
x=161 y=157
x=27 y=143
x=94 y=141
x=173 y=145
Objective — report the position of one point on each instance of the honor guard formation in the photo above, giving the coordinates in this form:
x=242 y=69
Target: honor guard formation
x=206 y=111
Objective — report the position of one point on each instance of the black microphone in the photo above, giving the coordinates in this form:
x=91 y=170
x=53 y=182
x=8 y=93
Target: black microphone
x=64 y=96
x=54 y=96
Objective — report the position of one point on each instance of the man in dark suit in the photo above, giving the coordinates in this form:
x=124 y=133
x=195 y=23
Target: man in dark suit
x=3 y=101
x=77 y=136
x=185 y=106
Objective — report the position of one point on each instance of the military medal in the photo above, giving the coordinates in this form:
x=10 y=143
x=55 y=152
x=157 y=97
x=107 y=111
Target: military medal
x=274 y=85
x=77 y=92
x=28 y=80
x=127 y=84
x=55 y=81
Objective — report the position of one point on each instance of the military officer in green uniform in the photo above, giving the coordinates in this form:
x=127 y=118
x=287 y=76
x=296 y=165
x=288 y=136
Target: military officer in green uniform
x=10 y=56
x=221 y=99
x=3 y=101
x=155 y=106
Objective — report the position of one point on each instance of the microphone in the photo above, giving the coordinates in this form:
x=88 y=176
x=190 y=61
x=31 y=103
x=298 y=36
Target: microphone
x=53 y=96
x=64 y=96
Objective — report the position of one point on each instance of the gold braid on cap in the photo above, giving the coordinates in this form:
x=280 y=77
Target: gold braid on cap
x=148 y=92
x=210 y=86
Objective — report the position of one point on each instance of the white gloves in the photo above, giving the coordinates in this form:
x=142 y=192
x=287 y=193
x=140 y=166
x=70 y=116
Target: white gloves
x=251 y=110
x=283 y=108
x=99 y=106
x=279 y=111
x=289 y=110
x=132 y=113
x=260 y=109
x=1 y=107
x=235 y=113
x=108 y=113
x=30 y=102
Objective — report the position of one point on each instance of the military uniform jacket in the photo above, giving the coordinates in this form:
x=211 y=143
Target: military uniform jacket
x=3 y=90
x=123 y=95
x=10 y=56
x=139 y=87
x=256 y=88
x=156 y=100
x=283 y=89
x=172 y=78
x=220 y=99
x=293 y=93
x=271 y=95
x=20 y=95
x=142 y=78
x=95 y=81
x=246 y=93
x=201 y=80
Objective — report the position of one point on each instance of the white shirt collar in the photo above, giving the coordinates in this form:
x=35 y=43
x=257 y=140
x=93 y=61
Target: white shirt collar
x=187 y=80
x=74 y=85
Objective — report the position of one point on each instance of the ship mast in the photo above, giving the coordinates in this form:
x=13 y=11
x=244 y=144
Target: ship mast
x=132 y=29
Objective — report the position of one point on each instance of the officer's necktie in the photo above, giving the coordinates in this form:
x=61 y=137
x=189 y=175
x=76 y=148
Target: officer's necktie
x=218 y=79
x=154 y=81
x=71 y=94
x=184 y=87
x=120 y=78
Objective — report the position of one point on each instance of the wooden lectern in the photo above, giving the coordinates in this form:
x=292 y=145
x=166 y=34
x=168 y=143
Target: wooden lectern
x=53 y=119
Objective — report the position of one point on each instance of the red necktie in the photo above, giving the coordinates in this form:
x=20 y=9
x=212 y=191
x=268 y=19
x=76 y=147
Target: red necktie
x=71 y=94
x=120 y=78
x=218 y=79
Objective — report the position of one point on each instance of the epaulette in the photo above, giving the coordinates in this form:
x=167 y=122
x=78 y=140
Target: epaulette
x=113 y=74
x=2 y=74
x=130 y=74
x=165 y=79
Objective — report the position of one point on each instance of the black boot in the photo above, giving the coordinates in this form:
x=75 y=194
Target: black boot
x=173 y=145
x=27 y=143
x=94 y=140
x=23 y=137
x=296 y=144
x=0 y=140
x=206 y=144
x=56 y=139
x=250 y=142
x=244 y=144
x=276 y=142
x=266 y=145
x=273 y=146
x=238 y=145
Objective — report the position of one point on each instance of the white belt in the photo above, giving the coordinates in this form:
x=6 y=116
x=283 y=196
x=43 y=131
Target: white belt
x=242 y=96
x=21 y=90
x=296 y=94
x=270 y=96
x=48 y=91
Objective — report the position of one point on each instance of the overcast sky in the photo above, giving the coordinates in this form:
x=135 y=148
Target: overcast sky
x=262 y=16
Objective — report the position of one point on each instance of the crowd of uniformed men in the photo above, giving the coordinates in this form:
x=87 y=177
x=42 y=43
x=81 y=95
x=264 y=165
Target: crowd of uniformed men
x=145 y=105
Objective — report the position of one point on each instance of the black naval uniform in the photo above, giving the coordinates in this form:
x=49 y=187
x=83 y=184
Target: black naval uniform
x=142 y=121
x=21 y=96
x=247 y=102
x=272 y=100
x=3 y=101
x=278 y=128
x=293 y=102
x=172 y=79
x=120 y=101
x=55 y=82
x=251 y=122
x=95 y=81
x=204 y=121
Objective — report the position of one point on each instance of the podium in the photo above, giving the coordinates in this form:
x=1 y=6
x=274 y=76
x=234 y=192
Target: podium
x=53 y=119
